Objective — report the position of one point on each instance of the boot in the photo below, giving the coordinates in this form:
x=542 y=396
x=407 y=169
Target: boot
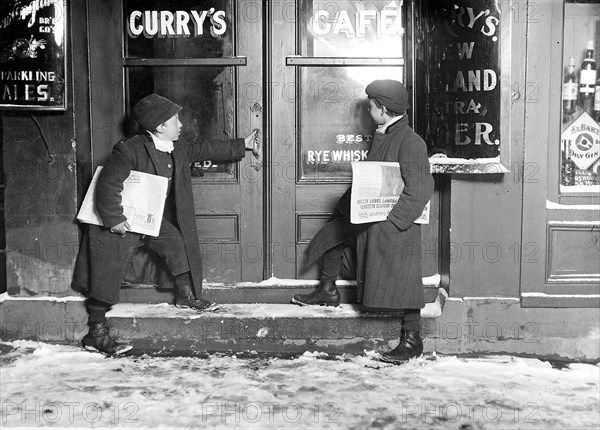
x=326 y=294
x=184 y=298
x=98 y=339
x=410 y=346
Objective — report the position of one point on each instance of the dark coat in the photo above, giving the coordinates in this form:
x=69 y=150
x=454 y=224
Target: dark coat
x=389 y=252
x=138 y=153
x=388 y=267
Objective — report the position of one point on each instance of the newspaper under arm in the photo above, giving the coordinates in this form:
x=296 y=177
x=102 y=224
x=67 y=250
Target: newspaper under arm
x=142 y=198
x=376 y=188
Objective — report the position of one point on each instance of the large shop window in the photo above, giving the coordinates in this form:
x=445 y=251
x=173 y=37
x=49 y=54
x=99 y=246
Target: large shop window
x=560 y=233
x=580 y=128
x=183 y=49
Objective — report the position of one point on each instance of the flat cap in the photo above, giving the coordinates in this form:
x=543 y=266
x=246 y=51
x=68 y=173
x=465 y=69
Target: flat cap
x=153 y=110
x=391 y=94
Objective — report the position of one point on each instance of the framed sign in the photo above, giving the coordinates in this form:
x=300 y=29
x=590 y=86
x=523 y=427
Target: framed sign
x=467 y=102
x=32 y=54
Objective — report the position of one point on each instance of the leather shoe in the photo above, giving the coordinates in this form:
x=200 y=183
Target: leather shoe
x=410 y=346
x=184 y=298
x=98 y=339
x=326 y=294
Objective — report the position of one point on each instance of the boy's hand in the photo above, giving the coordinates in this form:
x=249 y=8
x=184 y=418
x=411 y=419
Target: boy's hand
x=252 y=141
x=121 y=228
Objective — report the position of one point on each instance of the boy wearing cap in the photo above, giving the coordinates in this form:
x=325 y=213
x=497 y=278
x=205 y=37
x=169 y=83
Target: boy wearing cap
x=388 y=253
x=102 y=263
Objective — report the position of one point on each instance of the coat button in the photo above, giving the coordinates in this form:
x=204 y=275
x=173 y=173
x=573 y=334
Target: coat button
x=169 y=165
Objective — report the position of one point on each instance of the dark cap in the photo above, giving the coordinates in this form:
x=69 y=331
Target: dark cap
x=391 y=94
x=153 y=110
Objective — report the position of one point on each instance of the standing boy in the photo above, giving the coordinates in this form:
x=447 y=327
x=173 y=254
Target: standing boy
x=388 y=266
x=103 y=262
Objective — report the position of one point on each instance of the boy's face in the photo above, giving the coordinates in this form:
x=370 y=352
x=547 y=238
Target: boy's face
x=170 y=129
x=376 y=113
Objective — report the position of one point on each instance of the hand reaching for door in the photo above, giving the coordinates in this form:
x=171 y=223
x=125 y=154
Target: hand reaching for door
x=252 y=142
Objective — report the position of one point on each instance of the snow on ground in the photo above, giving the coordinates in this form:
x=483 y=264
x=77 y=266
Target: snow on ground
x=45 y=385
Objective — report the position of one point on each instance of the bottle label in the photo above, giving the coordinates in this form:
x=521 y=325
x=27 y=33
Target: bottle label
x=570 y=91
x=582 y=140
x=588 y=77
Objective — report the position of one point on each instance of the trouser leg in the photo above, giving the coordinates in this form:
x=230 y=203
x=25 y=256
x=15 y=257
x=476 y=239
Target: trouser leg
x=170 y=246
x=183 y=279
x=97 y=310
x=348 y=267
x=411 y=321
x=109 y=254
x=331 y=262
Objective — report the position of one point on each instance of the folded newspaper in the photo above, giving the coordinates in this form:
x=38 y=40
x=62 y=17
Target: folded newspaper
x=376 y=187
x=142 y=198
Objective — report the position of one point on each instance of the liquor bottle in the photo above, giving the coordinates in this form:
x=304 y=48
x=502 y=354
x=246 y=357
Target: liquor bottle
x=567 y=168
x=596 y=115
x=587 y=79
x=570 y=91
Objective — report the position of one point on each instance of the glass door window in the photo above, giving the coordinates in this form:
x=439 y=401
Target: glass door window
x=182 y=49
x=344 y=45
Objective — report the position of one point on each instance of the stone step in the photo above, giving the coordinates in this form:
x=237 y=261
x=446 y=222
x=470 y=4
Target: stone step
x=262 y=292
x=161 y=328
x=259 y=327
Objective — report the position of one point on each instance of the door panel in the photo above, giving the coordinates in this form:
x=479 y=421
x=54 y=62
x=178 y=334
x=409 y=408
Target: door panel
x=205 y=72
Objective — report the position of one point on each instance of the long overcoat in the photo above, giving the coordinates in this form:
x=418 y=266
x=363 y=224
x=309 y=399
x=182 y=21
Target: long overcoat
x=388 y=253
x=100 y=250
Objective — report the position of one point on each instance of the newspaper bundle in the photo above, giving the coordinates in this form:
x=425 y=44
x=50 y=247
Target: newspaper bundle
x=142 y=198
x=376 y=187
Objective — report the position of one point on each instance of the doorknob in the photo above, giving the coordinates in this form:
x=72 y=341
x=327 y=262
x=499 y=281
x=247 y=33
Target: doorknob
x=256 y=124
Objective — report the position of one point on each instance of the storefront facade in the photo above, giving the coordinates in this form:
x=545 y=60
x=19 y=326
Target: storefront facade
x=513 y=224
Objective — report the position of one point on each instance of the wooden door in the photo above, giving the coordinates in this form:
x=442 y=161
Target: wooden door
x=206 y=56
x=321 y=57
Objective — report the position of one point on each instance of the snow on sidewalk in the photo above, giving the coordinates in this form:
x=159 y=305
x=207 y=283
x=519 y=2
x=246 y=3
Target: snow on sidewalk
x=45 y=385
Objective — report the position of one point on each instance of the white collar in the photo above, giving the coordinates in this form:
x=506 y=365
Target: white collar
x=383 y=127
x=162 y=145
